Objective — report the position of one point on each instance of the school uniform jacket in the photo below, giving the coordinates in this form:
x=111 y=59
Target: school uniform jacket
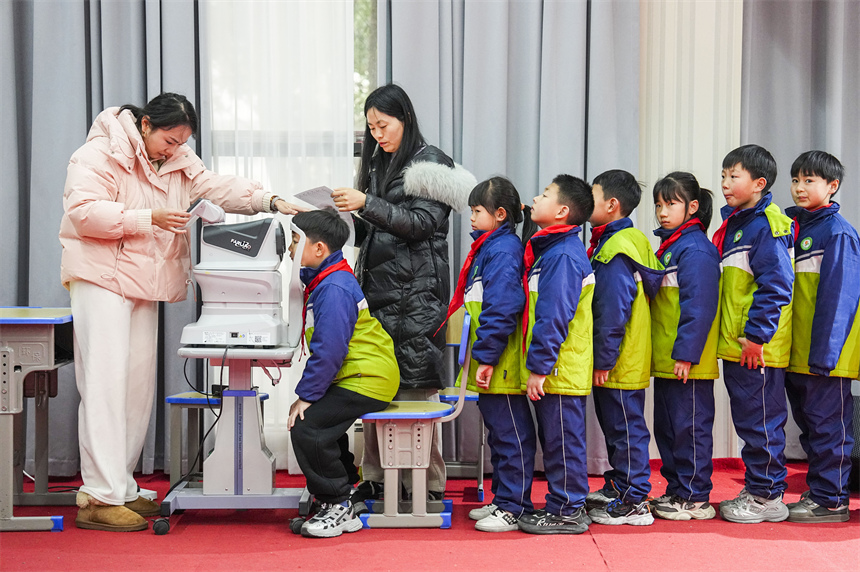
x=559 y=333
x=684 y=312
x=826 y=294
x=626 y=274
x=758 y=272
x=347 y=346
x=494 y=298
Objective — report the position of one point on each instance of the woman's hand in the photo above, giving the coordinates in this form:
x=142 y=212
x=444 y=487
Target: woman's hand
x=347 y=199
x=170 y=220
x=288 y=208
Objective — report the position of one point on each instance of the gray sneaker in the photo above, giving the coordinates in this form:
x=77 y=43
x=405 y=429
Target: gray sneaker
x=807 y=510
x=542 y=522
x=331 y=520
x=483 y=512
x=662 y=499
x=741 y=498
x=677 y=508
x=752 y=510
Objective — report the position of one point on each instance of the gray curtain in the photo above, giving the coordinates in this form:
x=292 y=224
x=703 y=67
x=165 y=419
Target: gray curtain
x=61 y=63
x=801 y=80
x=523 y=89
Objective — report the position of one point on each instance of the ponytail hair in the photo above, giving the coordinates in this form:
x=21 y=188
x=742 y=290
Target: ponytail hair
x=500 y=193
x=683 y=186
x=166 y=111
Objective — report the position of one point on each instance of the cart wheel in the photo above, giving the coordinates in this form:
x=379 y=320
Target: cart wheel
x=296 y=525
x=161 y=526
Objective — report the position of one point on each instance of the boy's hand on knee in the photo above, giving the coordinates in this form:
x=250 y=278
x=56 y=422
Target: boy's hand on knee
x=534 y=386
x=599 y=377
x=483 y=375
x=297 y=409
x=752 y=354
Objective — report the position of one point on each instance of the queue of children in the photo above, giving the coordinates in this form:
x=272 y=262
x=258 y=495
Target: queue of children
x=552 y=322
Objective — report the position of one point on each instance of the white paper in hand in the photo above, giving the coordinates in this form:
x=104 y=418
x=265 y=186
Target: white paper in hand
x=320 y=197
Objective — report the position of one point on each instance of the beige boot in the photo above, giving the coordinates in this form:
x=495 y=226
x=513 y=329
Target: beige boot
x=144 y=507
x=94 y=515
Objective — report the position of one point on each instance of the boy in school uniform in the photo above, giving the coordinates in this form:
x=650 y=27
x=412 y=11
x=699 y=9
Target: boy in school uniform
x=821 y=366
x=351 y=370
x=627 y=273
x=557 y=327
x=756 y=248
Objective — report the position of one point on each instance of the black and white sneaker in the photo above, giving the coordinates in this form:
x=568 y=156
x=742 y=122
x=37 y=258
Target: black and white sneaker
x=619 y=512
x=331 y=520
x=543 y=522
x=676 y=508
x=499 y=521
x=366 y=490
x=601 y=497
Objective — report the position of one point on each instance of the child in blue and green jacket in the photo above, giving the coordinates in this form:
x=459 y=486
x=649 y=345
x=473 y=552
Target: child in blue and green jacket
x=626 y=274
x=557 y=346
x=756 y=247
x=351 y=370
x=684 y=328
x=490 y=288
x=821 y=366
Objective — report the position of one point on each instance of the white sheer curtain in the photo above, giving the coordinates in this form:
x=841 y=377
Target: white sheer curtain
x=280 y=77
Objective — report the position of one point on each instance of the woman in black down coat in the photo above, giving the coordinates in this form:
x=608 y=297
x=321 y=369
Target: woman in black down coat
x=406 y=190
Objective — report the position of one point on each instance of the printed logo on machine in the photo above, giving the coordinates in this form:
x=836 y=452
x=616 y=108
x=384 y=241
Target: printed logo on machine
x=243 y=244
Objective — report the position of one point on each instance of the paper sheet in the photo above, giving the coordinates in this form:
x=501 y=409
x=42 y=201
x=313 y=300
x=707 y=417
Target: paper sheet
x=320 y=197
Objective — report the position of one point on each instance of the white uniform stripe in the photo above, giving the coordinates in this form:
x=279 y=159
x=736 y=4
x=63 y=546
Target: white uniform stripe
x=522 y=456
x=475 y=293
x=842 y=381
x=739 y=260
x=695 y=459
x=563 y=454
x=764 y=426
x=627 y=431
x=811 y=265
x=670 y=280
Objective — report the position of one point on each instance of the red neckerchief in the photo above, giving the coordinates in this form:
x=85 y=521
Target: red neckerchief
x=596 y=233
x=460 y=290
x=677 y=234
x=342 y=265
x=528 y=262
x=720 y=236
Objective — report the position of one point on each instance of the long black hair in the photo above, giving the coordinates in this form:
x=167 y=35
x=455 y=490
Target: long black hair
x=499 y=192
x=391 y=100
x=683 y=186
x=166 y=111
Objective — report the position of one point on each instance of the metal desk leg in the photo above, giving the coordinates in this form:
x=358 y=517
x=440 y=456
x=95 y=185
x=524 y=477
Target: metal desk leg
x=175 y=443
x=480 y=463
x=193 y=440
x=8 y=522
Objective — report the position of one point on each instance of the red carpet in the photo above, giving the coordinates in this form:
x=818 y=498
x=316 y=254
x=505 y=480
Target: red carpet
x=208 y=540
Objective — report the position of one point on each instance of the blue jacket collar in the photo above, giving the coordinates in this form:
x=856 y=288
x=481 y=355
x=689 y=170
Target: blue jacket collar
x=541 y=243
x=758 y=209
x=804 y=216
x=501 y=231
x=307 y=274
x=664 y=233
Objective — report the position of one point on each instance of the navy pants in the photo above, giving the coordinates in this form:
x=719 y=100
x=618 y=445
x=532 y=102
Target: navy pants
x=561 y=419
x=683 y=430
x=512 y=441
x=621 y=414
x=823 y=409
x=759 y=412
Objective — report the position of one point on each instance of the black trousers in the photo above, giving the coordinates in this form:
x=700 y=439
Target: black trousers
x=318 y=439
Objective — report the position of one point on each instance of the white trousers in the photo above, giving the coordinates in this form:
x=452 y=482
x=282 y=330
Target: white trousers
x=371 y=465
x=115 y=355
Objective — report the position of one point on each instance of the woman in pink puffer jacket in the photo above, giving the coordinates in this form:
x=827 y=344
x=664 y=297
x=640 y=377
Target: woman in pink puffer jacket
x=125 y=249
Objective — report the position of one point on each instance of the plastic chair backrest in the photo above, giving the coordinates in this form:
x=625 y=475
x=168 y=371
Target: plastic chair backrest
x=464 y=358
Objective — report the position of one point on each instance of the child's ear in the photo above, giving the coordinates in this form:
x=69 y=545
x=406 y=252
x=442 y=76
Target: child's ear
x=693 y=207
x=501 y=214
x=612 y=204
x=832 y=186
x=760 y=184
x=563 y=212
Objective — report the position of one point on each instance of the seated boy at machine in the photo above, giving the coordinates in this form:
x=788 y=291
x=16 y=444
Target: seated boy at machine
x=351 y=369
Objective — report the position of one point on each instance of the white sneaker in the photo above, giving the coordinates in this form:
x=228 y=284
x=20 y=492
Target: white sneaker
x=331 y=520
x=500 y=521
x=677 y=508
x=662 y=499
x=752 y=510
x=483 y=512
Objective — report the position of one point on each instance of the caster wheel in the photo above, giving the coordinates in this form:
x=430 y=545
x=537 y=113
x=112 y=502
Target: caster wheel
x=296 y=525
x=161 y=526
